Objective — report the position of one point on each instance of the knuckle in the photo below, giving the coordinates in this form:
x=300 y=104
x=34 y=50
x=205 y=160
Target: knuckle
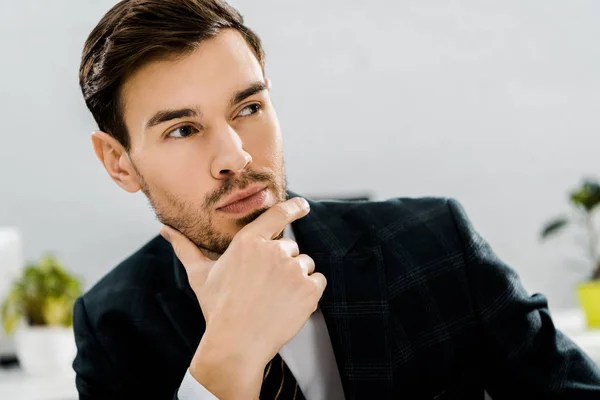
x=319 y=283
x=284 y=211
x=292 y=246
x=308 y=261
x=279 y=250
x=314 y=288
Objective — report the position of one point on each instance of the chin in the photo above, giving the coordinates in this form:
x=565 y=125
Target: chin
x=250 y=217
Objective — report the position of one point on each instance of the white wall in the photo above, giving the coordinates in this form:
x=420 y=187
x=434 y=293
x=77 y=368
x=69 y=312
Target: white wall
x=494 y=103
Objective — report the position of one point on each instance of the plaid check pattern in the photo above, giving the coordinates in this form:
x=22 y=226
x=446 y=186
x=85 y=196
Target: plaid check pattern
x=417 y=306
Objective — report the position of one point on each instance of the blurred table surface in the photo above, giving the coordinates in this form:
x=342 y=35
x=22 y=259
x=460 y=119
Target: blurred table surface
x=15 y=384
x=572 y=323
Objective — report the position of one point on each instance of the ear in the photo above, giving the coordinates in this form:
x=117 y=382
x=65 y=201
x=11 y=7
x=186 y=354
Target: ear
x=268 y=83
x=116 y=161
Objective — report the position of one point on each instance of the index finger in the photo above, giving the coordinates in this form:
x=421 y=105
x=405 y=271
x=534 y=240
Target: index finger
x=273 y=221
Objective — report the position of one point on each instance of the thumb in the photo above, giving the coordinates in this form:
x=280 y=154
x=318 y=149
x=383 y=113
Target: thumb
x=194 y=261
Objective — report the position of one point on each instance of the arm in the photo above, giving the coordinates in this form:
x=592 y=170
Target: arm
x=95 y=372
x=525 y=356
x=244 y=331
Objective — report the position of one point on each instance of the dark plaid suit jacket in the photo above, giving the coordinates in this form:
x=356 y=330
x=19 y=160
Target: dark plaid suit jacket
x=417 y=307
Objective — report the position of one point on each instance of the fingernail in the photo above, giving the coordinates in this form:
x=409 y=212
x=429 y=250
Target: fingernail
x=165 y=234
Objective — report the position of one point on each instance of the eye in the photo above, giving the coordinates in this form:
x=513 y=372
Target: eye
x=249 y=110
x=183 y=131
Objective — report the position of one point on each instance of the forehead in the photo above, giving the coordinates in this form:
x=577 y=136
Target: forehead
x=204 y=77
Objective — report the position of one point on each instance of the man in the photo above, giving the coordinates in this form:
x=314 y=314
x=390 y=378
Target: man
x=253 y=292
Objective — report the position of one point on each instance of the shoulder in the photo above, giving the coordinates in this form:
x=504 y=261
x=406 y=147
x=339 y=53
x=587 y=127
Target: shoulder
x=419 y=231
x=144 y=273
x=402 y=215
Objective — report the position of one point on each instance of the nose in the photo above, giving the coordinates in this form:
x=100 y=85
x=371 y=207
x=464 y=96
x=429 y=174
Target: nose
x=230 y=157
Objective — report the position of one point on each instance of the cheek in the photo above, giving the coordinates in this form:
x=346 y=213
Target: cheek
x=176 y=170
x=263 y=142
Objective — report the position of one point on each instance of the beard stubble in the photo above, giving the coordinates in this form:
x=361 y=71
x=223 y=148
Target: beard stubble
x=197 y=224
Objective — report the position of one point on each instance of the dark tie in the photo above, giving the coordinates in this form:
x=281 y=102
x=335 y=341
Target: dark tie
x=279 y=383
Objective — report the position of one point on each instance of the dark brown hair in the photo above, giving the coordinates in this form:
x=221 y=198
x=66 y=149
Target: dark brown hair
x=135 y=32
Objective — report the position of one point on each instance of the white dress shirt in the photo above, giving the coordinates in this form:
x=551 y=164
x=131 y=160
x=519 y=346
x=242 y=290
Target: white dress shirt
x=309 y=356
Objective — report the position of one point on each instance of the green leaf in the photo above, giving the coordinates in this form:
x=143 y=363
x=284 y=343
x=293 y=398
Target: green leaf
x=553 y=227
x=587 y=195
x=44 y=295
x=57 y=310
x=11 y=309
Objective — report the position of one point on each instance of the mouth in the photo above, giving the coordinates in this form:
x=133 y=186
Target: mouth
x=246 y=200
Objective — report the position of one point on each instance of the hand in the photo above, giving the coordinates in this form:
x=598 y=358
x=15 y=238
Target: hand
x=255 y=298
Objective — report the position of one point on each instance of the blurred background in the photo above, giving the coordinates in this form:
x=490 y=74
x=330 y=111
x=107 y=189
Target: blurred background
x=494 y=103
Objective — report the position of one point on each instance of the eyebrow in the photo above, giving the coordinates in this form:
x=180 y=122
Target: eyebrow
x=254 y=88
x=167 y=115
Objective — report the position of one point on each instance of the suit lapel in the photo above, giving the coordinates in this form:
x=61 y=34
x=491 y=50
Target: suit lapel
x=354 y=303
x=181 y=307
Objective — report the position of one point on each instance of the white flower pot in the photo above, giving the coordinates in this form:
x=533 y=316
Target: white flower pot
x=45 y=350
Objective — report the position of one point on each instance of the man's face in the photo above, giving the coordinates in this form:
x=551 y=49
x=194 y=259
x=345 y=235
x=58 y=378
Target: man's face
x=202 y=130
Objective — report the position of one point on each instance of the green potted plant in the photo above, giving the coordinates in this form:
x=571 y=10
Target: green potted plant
x=38 y=310
x=586 y=201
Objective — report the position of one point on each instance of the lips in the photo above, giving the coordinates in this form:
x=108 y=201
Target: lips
x=241 y=195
